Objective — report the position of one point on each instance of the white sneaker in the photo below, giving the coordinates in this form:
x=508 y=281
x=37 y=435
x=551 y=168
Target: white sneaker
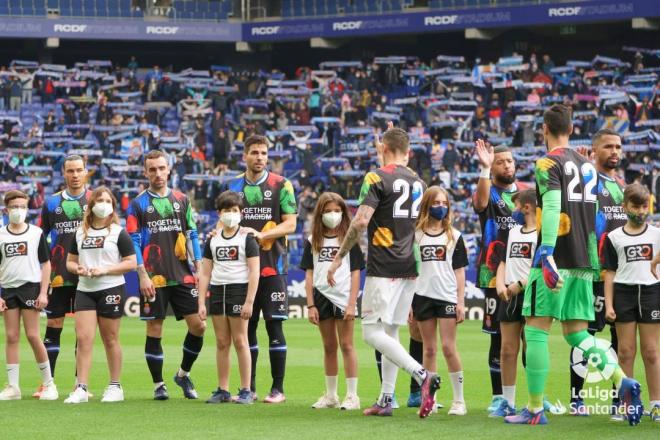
x=326 y=401
x=457 y=409
x=49 y=392
x=113 y=393
x=78 y=396
x=10 y=393
x=351 y=402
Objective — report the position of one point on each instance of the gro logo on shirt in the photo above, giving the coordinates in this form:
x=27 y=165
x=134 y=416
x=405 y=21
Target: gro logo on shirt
x=226 y=253
x=433 y=252
x=638 y=252
x=18 y=249
x=521 y=250
x=327 y=254
x=93 y=243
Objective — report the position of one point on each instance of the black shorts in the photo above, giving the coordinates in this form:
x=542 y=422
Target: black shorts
x=22 y=297
x=598 y=324
x=182 y=298
x=326 y=308
x=425 y=308
x=61 y=301
x=107 y=303
x=272 y=299
x=227 y=300
x=634 y=303
x=491 y=321
x=511 y=311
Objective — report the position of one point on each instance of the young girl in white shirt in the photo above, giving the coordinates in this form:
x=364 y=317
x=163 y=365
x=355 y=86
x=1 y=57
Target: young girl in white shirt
x=333 y=308
x=439 y=301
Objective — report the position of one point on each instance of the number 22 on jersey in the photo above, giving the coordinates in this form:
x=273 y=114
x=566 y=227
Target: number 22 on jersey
x=403 y=187
x=581 y=193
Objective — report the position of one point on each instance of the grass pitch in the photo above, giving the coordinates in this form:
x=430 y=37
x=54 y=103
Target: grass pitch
x=141 y=417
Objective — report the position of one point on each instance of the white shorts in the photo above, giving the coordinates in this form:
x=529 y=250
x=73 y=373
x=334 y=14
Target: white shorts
x=387 y=300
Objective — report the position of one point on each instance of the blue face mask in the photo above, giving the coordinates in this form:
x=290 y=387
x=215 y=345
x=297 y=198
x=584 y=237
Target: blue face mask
x=518 y=217
x=438 y=212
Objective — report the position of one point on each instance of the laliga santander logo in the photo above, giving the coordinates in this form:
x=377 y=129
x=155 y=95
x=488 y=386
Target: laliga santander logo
x=591 y=354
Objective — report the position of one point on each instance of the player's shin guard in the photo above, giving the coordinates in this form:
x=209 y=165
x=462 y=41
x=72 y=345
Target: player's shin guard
x=52 y=343
x=538 y=364
x=153 y=353
x=494 y=364
x=254 y=352
x=416 y=351
x=277 y=350
x=192 y=345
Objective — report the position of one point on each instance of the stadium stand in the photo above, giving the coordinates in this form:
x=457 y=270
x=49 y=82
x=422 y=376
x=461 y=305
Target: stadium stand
x=320 y=121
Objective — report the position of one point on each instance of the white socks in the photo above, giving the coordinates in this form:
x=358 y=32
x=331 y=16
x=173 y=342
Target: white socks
x=44 y=369
x=385 y=338
x=351 y=386
x=12 y=375
x=182 y=373
x=331 y=385
x=509 y=392
x=457 y=385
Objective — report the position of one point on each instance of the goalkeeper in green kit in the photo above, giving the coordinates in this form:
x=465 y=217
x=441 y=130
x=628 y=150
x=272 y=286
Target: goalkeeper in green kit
x=560 y=281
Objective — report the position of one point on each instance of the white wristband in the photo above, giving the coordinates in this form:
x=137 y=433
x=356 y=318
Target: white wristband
x=485 y=173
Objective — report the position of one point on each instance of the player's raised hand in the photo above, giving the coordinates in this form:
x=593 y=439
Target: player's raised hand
x=379 y=145
x=585 y=152
x=485 y=153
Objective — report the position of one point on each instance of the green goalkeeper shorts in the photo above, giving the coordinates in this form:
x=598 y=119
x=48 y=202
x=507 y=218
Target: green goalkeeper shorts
x=575 y=300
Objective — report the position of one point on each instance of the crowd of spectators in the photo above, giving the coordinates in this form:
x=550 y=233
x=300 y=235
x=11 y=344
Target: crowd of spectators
x=321 y=121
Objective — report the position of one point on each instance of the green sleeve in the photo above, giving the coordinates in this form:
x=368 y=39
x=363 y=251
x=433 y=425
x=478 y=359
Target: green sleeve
x=550 y=217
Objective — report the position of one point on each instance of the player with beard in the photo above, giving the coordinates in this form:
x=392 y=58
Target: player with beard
x=606 y=145
x=494 y=205
x=164 y=233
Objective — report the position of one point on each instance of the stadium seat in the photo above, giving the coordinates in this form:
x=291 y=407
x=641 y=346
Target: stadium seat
x=39 y=7
x=309 y=8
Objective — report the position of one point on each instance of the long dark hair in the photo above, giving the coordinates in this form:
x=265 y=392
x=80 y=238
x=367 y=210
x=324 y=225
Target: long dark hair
x=317 y=223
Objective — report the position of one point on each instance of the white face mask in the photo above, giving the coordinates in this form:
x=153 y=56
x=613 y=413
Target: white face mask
x=331 y=219
x=102 y=209
x=230 y=219
x=17 y=215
